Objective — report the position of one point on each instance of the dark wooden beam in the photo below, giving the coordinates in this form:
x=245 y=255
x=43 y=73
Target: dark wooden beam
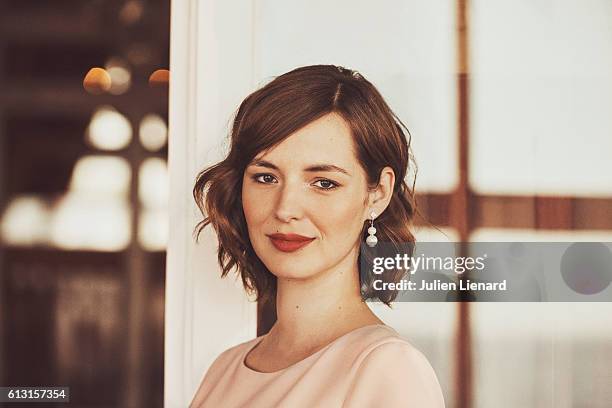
x=520 y=212
x=461 y=214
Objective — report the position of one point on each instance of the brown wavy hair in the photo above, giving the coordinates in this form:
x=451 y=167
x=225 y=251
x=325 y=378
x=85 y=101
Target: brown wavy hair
x=274 y=112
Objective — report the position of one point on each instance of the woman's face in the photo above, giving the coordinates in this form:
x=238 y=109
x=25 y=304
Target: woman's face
x=305 y=200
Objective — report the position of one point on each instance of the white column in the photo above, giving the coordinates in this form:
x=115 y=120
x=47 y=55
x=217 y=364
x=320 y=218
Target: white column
x=211 y=65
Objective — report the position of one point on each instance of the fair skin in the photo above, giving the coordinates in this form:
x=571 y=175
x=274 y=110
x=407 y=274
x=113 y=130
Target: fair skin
x=287 y=190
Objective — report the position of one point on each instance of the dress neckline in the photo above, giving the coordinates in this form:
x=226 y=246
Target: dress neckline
x=307 y=358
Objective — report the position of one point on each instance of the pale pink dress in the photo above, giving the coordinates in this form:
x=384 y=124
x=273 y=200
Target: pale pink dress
x=371 y=366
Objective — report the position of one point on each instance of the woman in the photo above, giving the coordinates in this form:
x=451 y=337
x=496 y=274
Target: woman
x=316 y=167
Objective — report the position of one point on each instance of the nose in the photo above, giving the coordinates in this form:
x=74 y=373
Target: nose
x=289 y=205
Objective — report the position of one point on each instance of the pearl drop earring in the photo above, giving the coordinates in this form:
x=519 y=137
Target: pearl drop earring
x=371 y=240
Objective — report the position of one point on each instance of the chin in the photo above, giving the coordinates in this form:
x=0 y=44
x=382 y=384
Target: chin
x=292 y=268
x=292 y=271
x=291 y=276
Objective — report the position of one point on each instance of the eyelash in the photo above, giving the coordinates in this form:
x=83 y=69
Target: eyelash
x=334 y=185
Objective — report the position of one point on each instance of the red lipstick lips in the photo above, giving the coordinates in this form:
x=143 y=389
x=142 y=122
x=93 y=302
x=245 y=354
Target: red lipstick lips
x=289 y=242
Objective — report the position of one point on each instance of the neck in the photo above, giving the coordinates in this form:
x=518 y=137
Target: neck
x=314 y=310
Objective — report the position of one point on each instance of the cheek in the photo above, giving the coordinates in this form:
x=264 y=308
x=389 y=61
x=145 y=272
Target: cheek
x=248 y=203
x=340 y=217
x=254 y=204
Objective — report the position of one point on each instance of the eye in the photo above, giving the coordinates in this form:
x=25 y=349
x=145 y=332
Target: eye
x=264 y=178
x=325 y=184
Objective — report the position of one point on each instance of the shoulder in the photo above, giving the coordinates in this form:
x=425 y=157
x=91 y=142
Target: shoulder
x=397 y=357
x=392 y=372
x=232 y=357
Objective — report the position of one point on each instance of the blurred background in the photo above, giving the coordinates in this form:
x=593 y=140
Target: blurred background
x=509 y=107
x=83 y=197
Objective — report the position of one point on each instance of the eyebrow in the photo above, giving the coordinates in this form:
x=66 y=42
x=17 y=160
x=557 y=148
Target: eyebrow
x=312 y=169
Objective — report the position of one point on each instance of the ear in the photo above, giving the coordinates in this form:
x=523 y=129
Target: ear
x=380 y=196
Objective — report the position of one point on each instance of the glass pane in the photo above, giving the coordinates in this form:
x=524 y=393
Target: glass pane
x=541 y=97
x=541 y=354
